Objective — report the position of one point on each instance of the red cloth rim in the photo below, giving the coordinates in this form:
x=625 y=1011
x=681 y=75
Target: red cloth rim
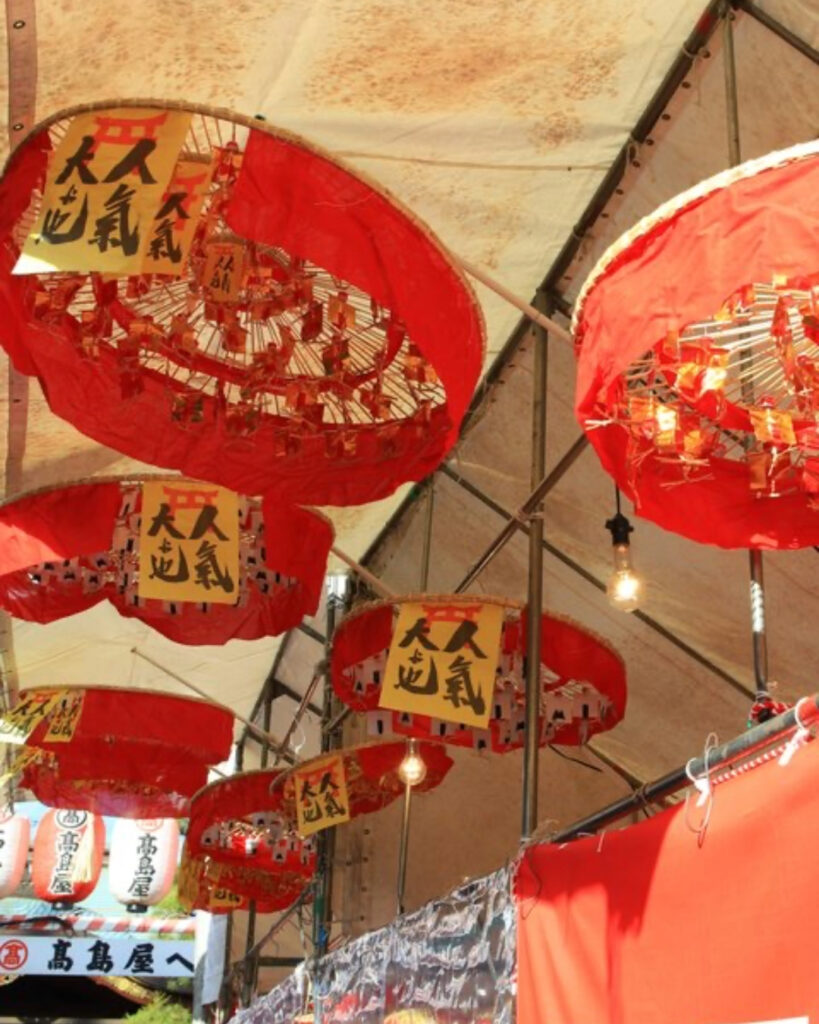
x=566 y=648
x=679 y=266
x=331 y=216
x=79 y=521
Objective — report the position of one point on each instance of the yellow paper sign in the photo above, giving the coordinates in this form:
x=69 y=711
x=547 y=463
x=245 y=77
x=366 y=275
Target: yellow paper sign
x=224 y=266
x=443 y=659
x=65 y=717
x=321 y=795
x=18 y=724
x=223 y=899
x=189 y=543
x=105 y=184
x=22 y=758
x=175 y=223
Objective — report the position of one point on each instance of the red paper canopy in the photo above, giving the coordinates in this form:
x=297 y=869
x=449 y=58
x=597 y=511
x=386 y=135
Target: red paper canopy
x=311 y=338
x=583 y=682
x=66 y=549
x=241 y=821
x=205 y=884
x=697 y=378
x=371 y=771
x=133 y=753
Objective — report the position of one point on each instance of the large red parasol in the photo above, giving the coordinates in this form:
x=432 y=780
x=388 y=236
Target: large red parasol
x=583 y=681
x=312 y=337
x=127 y=753
x=698 y=376
x=205 y=884
x=66 y=549
x=240 y=820
x=372 y=777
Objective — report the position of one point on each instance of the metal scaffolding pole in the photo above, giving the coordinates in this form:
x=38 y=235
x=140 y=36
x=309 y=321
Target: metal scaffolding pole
x=519 y=522
x=535 y=591
x=757 y=583
x=251 y=959
x=738 y=749
x=323 y=900
x=784 y=33
x=584 y=573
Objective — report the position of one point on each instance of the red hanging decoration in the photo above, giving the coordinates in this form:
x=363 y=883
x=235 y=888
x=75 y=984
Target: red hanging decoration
x=583 y=682
x=204 y=884
x=698 y=376
x=66 y=549
x=248 y=844
x=288 y=328
x=126 y=753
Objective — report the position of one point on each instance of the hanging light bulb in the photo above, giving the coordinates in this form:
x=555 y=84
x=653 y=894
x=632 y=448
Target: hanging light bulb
x=412 y=771
x=625 y=586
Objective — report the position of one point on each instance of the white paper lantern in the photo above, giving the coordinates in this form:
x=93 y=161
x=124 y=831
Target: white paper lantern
x=142 y=860
x=15 y=834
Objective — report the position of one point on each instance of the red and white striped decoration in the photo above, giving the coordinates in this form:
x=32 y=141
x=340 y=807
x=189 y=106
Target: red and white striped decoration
x=87 y=923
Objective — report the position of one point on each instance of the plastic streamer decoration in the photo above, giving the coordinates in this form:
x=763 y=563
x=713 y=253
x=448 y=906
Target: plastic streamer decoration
x=698 y=366
x=247 y=845
x=126 y=753
x=203 y=292
x=65 y=549
x=583 y=681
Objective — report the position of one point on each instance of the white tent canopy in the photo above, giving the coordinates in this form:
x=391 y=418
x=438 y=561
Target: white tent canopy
x=497 y=125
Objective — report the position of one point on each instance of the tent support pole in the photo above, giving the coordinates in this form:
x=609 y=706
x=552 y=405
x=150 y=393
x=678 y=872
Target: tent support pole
x=589 y=577
x=519 y=522
x=757 y=587
x=326 y=842
x=403 y=845
x=778 y=29
x=251 y=963
x=427 y=548
x=535 y=590
x=719 y=758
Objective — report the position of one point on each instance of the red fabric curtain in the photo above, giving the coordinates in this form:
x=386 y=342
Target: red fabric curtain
x=649 y=924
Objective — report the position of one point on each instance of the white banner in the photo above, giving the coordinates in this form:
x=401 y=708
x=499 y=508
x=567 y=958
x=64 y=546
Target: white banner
x=117 y=955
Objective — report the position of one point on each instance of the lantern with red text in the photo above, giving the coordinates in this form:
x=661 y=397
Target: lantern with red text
x=127 y=753
x=65 y=549
x=324 y=347
x=68 y=851
x=582 y=688
x=15 y=834
x=142 y=861
x=698 y=372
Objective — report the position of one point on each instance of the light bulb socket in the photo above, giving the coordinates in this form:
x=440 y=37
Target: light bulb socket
x=619 y=527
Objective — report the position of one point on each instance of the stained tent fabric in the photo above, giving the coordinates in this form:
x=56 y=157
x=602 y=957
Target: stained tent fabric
x=697 y=914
